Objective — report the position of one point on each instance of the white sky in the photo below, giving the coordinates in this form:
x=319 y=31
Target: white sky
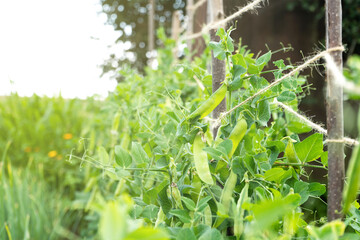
x=46 y=47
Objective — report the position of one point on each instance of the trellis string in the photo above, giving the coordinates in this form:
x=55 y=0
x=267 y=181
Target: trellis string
x=291 y=73
x=316 y=127
x=251 y=6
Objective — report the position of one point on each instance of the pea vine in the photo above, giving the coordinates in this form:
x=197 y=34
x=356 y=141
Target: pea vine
x=253 y=181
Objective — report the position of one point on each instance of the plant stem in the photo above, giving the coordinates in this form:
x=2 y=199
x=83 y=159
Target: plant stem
x=299 y=165
x=144 y=169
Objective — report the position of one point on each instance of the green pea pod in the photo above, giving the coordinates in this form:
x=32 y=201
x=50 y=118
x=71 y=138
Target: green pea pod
x=149 y=183
x=175 y=193
x=210 y=104
x=353 y=180
x=115 y=123
x=290 y=153
x=207 y=216
x=160 y=217
x=226 y=196
x=239 y=214
x=120 y=187
x=201 y=160
x=90 y=184
x=173 y=170
x=125 y=142
x=91 y=198
x=237 y=134
x=228 y=190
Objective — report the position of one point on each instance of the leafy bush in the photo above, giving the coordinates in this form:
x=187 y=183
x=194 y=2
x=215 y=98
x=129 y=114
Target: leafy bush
x=249 y=182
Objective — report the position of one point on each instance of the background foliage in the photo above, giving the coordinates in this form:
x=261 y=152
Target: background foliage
x=133 y=15
x=143 y=164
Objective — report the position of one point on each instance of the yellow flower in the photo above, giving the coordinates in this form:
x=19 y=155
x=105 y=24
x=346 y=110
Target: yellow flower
x=52 y=154
x=67 y=136
x=27 y=149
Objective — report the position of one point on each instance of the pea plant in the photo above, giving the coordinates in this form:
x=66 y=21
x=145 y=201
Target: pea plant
x=252 y=181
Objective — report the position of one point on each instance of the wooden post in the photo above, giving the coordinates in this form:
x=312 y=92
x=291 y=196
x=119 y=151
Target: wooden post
x=175 y=31
x=190 y=25
x=334 y=108
x=216 y=13
x=151 y=25
x=200 y=17
x=175 y=25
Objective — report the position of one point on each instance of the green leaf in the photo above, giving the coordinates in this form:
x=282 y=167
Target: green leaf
x=250 y=164
x=200 y=229
x=122 y=157
x=258 y=82
x=269 y=211
x=237 y=166
x=290 y=83
x=173 y=116
x=150 y=211
x=295 y=125
x=324 y=158
x=203 y=203
x=238 y=59
x=186 y=233
x=103 y=155
x=236 y=82
x=264 y=59
x=277 y=175
x=229 y=44
x=331 y=230
x=218 y=50
x=225 y=147
x=136 y=211
x=349 y=236
x=162 y=162
x=279 y=63
x=189 y=203
x=311 y=148
x=264 y=113
x=138 y=153
x=148 y=233
x=181 y=214
x=164 y=201
x=214 y=153
x=286 y=96
x=257 y=67
x=221 y=33
x=211 y=234
x=253 y=69
x=302 y=188
x=316 y=189
x=262 y=160
x=276 y=144
x=144 y=135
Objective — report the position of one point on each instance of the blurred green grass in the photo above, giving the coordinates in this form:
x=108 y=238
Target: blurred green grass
x=46 y=130
x=39 y=178
x=30 y=210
